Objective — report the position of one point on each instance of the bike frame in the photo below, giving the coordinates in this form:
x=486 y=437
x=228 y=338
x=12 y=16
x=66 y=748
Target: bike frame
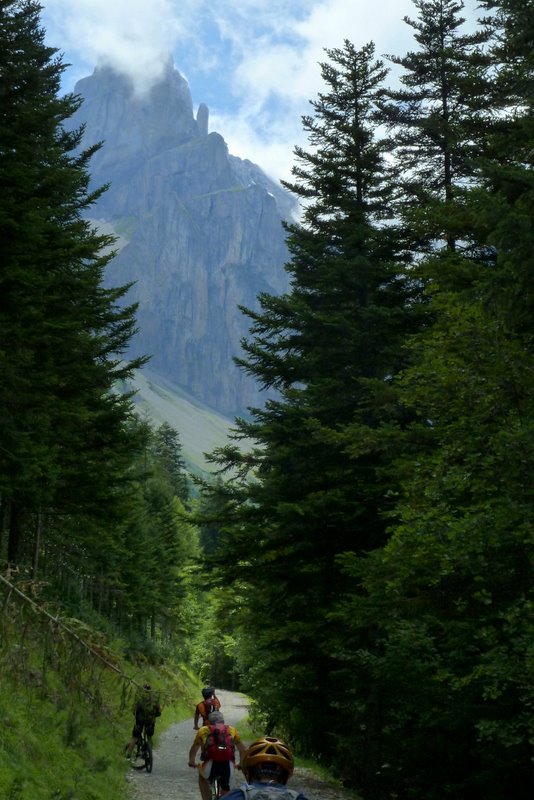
x=215 y=788
x=144 y=751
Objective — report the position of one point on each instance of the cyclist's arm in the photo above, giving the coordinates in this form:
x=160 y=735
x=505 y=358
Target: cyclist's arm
x=193 y=754
x=198 y=742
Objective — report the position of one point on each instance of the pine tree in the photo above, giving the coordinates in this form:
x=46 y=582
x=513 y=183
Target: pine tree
x=503 y=211
x=159 y=544
x=437 y=121
x=450 y=595
x=330 y=348
x=62 y=422
x=167 y=447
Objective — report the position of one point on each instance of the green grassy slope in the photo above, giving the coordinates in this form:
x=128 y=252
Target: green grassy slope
x=201 y=429
x=66 y=707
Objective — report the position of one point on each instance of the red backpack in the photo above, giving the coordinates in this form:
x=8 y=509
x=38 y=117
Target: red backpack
x=206 y=709
x=219 y=744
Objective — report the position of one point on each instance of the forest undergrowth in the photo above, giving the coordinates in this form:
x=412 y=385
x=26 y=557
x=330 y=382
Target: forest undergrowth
x=66 y=700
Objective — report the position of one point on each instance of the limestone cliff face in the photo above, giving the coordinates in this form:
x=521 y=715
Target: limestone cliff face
x=200 y=231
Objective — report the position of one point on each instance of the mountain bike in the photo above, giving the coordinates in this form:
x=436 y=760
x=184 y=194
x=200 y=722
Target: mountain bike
x=142 y=755
x=215 y=785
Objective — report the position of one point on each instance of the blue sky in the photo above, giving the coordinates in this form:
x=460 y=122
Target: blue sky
x=253 y=62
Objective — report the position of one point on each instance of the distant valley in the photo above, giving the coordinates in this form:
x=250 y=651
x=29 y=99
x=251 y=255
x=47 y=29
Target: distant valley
x=201 y=429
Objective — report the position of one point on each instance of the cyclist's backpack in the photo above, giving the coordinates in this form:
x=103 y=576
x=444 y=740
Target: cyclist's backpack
x=209 y=706
x=148 y=705
x=267 y=793
x=219 y=744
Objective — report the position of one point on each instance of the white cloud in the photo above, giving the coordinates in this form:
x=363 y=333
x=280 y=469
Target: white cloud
x=255 y=62
x=277 y=71
x=270 y=147
x=133 y=36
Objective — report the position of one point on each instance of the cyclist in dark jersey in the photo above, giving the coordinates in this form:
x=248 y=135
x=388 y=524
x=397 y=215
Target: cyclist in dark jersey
x=146 y=709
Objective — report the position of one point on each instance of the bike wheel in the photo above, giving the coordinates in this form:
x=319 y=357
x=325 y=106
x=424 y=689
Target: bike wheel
x=148 y=757
x=215 y=788
x=138 y=756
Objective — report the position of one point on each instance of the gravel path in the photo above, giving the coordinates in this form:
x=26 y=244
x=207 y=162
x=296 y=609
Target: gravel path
x=172 y=779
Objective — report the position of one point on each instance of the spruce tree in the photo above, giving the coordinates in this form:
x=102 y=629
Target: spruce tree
x=503 y=211
x=331 y=348
x=450 y=596
x=65 y=444
x=437 y=120
x=168 y=449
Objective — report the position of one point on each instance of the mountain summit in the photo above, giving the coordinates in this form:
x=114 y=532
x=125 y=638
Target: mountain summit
x=199 y=231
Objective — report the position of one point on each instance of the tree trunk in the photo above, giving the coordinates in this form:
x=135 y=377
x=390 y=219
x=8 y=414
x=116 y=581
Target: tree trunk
x=37 y=544
x=13 y=542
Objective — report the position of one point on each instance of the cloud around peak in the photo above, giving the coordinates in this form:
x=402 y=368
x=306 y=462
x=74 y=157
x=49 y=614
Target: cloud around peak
x=255 y=63
x=133 y=37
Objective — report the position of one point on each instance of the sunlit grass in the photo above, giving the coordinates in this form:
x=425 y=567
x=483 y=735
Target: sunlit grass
x=66 y=742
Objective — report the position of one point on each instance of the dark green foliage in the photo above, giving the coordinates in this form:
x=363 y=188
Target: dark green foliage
x=444 y=686
x=448 y=598
x=330 y=347
x=63 y=427
x=503 y=212
x=91 y=499
x=384 y=536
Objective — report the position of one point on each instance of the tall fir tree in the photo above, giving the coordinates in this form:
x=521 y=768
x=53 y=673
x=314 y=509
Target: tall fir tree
x=331 y=348
x=450 y=596
x=437 y=120
x=503 y=210
x=65 y=444
x=168 y=449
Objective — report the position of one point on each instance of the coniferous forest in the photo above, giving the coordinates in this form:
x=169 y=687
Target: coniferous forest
x=365 y=571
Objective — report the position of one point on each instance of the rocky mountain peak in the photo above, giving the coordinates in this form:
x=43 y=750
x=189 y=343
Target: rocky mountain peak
x=137 y=126
x=200 y=231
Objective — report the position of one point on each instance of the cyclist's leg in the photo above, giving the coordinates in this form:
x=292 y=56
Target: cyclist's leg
x=225 y=776
x=149 y=730
x=204 y=774
x=136 y=733
x=231 y=780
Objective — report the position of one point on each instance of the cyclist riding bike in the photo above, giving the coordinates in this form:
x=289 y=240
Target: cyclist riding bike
x=267 y=765
x=217 y=743
x=203 y=709
x=146 y=709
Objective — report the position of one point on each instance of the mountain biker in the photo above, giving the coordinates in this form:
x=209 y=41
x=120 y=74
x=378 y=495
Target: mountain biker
x=215 y=764
x=146 y=709
x=267 y=765
x=203 y=709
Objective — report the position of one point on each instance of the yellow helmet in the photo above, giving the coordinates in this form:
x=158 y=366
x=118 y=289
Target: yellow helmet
x=268 y=750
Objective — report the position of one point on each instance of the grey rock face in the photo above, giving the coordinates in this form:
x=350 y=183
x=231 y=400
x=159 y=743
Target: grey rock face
x=200 y=231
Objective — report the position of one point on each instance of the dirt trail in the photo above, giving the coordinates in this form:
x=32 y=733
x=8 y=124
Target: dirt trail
x=172 y=779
